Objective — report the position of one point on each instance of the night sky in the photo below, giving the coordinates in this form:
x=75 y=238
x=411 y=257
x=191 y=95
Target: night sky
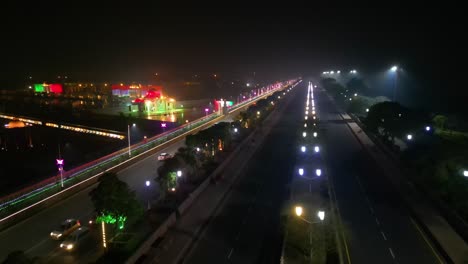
x=122 y=43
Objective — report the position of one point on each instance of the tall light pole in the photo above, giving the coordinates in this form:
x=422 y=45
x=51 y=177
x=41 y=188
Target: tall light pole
x=394 y=69
x=60 y=166
x=320 y=214
x=148 y=183
x=128 y=136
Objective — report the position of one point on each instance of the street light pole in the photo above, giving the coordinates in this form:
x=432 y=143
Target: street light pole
x=60 y=166
x=128 y=136
x=395 y=70
x=148 y=183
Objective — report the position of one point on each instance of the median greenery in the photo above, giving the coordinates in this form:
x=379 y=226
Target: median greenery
x=181 y=174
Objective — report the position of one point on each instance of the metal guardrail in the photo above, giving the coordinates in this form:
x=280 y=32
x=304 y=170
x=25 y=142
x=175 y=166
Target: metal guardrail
x=11 y=203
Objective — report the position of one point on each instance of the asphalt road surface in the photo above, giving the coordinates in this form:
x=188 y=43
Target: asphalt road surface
x=247 y=227
x=377 y=226
x=32 y=234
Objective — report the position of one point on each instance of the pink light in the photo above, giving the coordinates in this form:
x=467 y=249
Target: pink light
x=163 y=124
x=206 y=110
x=59 y=161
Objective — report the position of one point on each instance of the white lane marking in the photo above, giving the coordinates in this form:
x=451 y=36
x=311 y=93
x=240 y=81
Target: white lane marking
x=383 y=234
x=391 y=252
x=37 y=245
x=230 y=253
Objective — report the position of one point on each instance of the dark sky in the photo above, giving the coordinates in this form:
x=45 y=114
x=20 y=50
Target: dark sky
x=117 y=42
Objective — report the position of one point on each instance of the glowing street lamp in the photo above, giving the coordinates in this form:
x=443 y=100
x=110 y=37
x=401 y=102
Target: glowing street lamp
x=318 y=172
x=179 y=173
x=409 y=137
x=465 y=173
x=301 y=171
x=321 y=215
x=298 y=210
x=315 y=134
x=60 y=168
x=317 y=149
x=206 y=111
x=303 y=149
x=428 y=128
x=304 y=134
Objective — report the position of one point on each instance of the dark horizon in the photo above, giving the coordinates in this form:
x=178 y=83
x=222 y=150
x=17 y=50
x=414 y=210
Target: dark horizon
x=132 y=44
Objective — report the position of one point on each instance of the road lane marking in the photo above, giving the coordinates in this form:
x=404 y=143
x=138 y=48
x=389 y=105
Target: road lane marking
x=426 y=240
x=377 y=221
x=340 y=222
x=230 y=253
x=391 y=252
x=383 y=234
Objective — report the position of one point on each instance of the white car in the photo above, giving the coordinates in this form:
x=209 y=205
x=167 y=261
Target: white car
x=164 y=156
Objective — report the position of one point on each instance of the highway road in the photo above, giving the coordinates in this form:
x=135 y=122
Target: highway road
x=32 y=234
x=247 y=227
x=378 y=228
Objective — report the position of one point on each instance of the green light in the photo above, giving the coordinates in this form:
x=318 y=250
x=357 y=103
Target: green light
x=39 y=88
x=110 y=219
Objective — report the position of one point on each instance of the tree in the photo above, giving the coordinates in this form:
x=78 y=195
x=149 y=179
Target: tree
x=440 y=121
x=358 y=105
x=188 y=158
x=357 y=85
x=113 y=198
x=332 y=86
x=385 y=118
x=167 y=177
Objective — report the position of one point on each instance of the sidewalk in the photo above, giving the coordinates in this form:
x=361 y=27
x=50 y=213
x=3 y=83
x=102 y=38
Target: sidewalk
x=183 y=235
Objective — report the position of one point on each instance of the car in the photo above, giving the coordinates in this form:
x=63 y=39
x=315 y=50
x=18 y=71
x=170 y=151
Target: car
x=164 y=156
x=74 y=239
x=66 y=228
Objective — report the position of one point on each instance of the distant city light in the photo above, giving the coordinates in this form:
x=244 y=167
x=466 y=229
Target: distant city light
x=428 y=128
x=394 y=68
x=148 y=183
x=465 y=173
x=409 y=137
x=301 y=171
x=303 y=149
